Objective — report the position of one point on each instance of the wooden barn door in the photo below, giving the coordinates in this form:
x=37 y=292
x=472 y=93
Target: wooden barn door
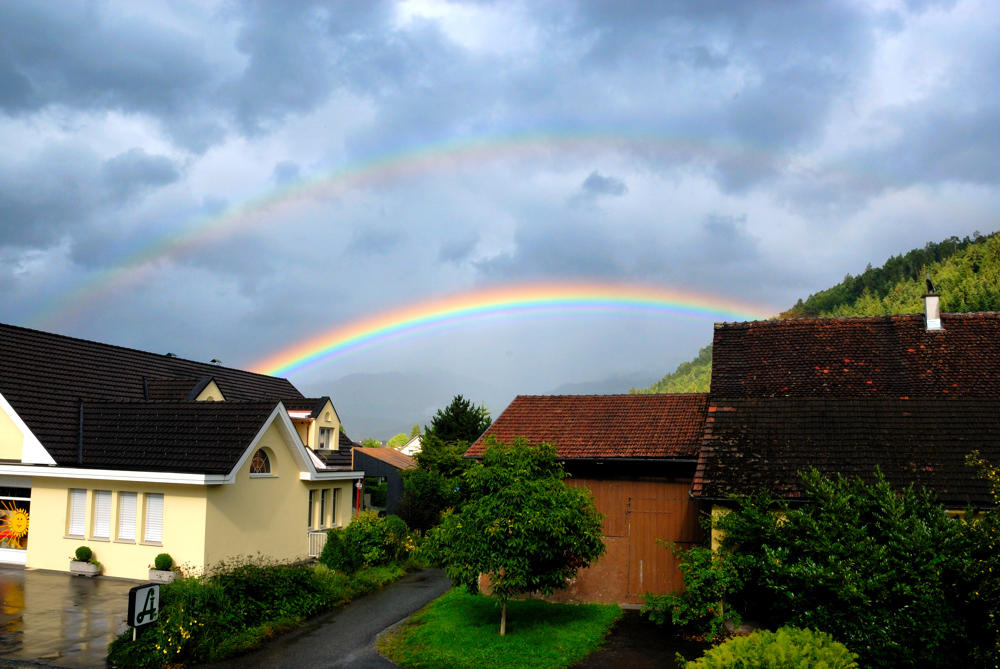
x=673 y=517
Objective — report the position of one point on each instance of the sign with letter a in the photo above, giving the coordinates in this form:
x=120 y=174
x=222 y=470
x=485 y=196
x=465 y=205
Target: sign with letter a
x=143 y=604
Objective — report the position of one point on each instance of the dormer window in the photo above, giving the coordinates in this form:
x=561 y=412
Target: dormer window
x=261 y=464
x=326 y=438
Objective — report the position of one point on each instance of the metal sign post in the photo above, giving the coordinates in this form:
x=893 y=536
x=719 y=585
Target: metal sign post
x=143 y=606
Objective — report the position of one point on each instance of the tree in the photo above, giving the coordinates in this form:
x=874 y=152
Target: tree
x=459 y=421
x=415 y=431
x=398 y=440
x=371 y=443
x=522 y=525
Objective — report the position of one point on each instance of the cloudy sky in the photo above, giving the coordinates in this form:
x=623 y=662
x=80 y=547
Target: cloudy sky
x=222 y=180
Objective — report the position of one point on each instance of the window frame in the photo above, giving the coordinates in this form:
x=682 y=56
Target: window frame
x=123 y=516
x=147 y=515
x=269 y=468
x=101 y=520
x=77 y=505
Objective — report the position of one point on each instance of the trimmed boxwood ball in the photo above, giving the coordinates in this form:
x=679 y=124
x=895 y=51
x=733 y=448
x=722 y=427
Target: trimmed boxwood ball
x=83 y=554
x=787 y=648
x=163 y=562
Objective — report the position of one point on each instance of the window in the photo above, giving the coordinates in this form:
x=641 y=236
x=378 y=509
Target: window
x=127 y=504
x=77 y=511
x=261 y=463
x=333 y=509
x=324 y=496
x=102 y=515
x=326 y=438
x=312 y=501
x=154 y=518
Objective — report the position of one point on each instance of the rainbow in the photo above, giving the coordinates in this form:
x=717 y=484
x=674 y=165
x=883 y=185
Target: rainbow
x=500 y=302
x=133 y=265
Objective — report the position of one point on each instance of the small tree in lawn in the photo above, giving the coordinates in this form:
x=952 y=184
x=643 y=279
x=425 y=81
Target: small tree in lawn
x=522 y=525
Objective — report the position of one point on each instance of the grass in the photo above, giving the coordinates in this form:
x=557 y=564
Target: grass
x=460 y=630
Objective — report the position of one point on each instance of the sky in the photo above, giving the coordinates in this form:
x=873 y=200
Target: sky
x=225 y=180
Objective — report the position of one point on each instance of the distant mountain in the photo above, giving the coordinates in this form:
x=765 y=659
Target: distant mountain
x=610 y=386
x=383 y=405
x=965 y=272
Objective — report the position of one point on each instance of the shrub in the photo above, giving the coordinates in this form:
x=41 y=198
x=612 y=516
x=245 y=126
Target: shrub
x=163 y=562
x=369 y=540
x=787 y=648
x=84 y=554
x=883 y=570
x=426 y=493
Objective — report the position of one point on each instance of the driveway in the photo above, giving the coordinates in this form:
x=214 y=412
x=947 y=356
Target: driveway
x=58 y=619
x=345 y=637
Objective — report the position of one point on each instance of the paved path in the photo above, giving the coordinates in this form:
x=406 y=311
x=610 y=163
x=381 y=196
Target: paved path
x=346 y=637
x=637 y=643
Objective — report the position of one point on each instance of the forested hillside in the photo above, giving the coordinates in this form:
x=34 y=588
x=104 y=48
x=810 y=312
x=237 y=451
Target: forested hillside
x=965 y=272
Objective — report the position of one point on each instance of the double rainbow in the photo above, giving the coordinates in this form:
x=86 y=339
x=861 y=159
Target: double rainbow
x=502 y=302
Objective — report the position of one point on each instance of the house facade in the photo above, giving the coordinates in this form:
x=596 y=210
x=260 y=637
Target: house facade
x=133 y=454
x=636 y=454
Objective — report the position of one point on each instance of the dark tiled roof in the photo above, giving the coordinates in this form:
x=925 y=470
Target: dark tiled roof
x=762 y=443
x=340 y=457
x=194 y=437
x=314 y=405
x=43 y=375
x=176 y=389
x=387 y=455
x=887 y=356
x=604 y=426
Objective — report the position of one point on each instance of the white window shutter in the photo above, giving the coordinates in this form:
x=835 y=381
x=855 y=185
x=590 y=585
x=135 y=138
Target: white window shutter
x=127 y=515
x=102 y=514
x=77 y=511
x=154 y=517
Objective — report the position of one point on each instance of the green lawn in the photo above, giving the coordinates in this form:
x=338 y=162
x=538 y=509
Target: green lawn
x=461 y=630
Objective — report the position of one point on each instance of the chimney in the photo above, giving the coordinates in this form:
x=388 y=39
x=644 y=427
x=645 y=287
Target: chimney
x=932 y=308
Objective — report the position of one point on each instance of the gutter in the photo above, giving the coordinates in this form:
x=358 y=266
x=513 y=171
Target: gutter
x=112 y=475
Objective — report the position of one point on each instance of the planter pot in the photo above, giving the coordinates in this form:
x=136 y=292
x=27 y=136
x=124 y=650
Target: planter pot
x=161 y=575
x=83 y=569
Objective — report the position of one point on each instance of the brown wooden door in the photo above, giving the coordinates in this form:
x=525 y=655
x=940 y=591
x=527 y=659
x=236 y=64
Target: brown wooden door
x=653 y=568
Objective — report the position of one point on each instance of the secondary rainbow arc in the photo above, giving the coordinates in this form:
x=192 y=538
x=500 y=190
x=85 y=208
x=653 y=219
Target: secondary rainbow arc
x=521 y=300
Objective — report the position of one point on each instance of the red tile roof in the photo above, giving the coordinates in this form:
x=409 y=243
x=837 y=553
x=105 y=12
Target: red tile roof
x=604 y=426
x=888 y=356
x=387 y=455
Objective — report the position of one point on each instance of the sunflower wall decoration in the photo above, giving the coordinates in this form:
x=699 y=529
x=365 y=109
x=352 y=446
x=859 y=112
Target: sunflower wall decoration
x=13 y=526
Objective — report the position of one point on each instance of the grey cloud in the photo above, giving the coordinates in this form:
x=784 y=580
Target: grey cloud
x=725 y=239
x=375 y=241
x=134 y=171
x=285 y=172
x=598 y=184
x=458 y=250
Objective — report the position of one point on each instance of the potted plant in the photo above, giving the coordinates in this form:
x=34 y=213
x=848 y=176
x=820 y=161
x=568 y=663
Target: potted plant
x=163 y=570
x=84 y=564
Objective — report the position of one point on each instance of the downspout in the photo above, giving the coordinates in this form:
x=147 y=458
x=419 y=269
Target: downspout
x=145 y=389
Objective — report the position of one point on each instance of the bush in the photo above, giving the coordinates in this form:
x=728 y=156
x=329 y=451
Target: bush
x=885 y=571
x=237 y=607
x=84 y=554
x=788 y=648
x=369 y=541
x=163 y=562
x=426 y=493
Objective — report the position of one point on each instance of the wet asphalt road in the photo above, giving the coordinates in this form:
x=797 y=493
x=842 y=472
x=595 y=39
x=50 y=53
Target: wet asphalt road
x=346 y=637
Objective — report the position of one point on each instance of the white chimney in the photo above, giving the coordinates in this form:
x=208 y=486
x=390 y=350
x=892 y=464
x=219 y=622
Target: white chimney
x=932 y=311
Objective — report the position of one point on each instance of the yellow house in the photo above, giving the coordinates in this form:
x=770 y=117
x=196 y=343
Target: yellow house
x=134 y=454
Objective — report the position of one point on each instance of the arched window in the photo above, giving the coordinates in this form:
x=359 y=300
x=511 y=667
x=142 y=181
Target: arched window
x=261 y=463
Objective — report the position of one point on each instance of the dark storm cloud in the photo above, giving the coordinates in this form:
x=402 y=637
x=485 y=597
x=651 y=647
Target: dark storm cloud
x=47 y=195
x=598 y=184
x=134 y=171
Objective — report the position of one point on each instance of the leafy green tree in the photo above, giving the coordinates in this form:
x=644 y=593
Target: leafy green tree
x=397 y=441
x=415 y=430
x=371 y=443
x=459 y=421
x=522 y=525
x=426 y=494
